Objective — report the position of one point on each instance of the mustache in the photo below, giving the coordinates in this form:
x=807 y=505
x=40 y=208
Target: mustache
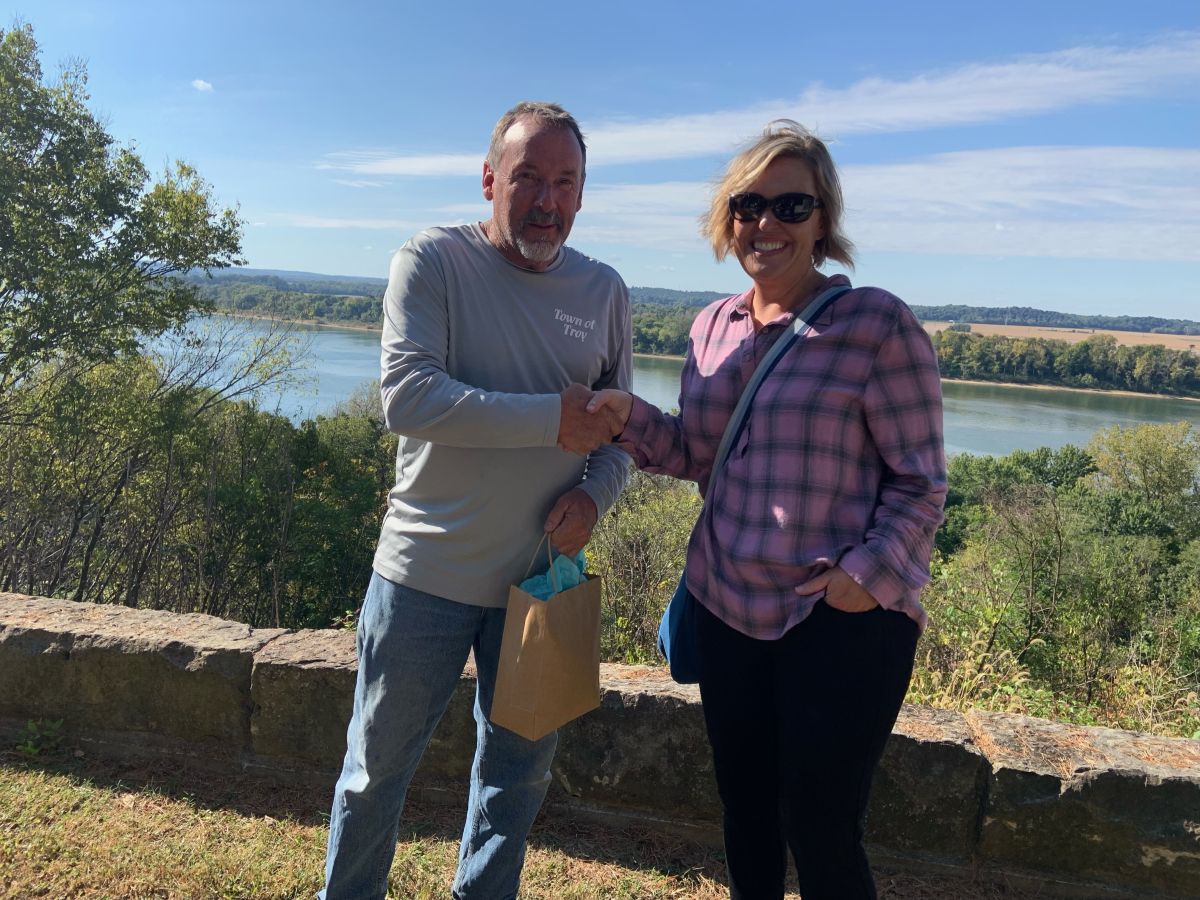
x=537 y=217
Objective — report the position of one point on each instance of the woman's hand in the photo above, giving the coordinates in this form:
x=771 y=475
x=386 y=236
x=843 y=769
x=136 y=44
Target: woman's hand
x=617 y=405
x=841 y=591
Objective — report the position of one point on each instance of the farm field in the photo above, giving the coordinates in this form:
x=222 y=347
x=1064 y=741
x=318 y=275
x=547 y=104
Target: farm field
x=1075 y=335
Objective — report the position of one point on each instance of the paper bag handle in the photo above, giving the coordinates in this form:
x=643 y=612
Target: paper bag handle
x=550 y=556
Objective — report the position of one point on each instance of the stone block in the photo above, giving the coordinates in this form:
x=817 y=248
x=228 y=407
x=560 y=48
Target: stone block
x=1098 y=811
x=103 y=669
x=302 y=688
x=644 y=749
x=303 y=692
x=928 y=788
x=1091 y=804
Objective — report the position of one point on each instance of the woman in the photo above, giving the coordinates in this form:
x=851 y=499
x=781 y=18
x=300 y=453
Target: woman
x=812 y=548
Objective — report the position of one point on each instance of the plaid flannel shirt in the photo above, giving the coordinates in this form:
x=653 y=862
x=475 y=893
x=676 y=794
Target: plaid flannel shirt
x=840 y=461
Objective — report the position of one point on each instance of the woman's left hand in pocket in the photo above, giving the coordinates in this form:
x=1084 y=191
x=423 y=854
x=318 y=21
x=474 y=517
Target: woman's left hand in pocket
x=841 y=591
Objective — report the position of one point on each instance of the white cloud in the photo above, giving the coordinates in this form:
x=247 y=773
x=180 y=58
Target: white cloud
x=359 y=183
x=1030 y=85
x=307 y=220
x=976 y=93
x=664 y=216
x=1129 y=203
x=1116 y=203
x=370 y=162
x=480 y=209
x=202 y=86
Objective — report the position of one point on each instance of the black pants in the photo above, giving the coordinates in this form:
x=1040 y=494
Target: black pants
x=797 y=727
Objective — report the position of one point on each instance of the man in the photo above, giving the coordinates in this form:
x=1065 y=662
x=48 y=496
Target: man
x=491 y=331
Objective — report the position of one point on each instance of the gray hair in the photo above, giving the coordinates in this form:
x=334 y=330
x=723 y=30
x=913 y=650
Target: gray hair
x=545 y=113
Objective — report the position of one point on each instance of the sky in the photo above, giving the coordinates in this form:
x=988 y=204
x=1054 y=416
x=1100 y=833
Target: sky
x=1041 y=154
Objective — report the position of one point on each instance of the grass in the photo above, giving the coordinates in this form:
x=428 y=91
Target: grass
x=73 y=827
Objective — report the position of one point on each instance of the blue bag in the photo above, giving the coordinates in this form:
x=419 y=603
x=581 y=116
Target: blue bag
x=677 y=630
x=677 y=635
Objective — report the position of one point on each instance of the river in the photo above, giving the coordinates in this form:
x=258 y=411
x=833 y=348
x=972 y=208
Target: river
x=979 y=418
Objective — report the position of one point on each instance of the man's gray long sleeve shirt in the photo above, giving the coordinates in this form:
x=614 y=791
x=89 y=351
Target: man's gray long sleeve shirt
x=475 y=351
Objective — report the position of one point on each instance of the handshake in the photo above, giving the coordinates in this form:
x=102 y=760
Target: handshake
x=591 y=418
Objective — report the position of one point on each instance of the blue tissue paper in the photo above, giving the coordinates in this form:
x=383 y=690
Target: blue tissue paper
x=568 y=573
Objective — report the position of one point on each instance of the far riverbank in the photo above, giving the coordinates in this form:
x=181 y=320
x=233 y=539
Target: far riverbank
x=1075 y=390
x=373 y=329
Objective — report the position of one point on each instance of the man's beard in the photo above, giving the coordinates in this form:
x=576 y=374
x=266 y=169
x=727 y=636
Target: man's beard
x=544 y=250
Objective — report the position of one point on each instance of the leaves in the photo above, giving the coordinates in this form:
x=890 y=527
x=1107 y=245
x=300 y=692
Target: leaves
x=40 y=737
x=88 y=249
x=1096 y=362
x=639 y=548
x=1068 y=584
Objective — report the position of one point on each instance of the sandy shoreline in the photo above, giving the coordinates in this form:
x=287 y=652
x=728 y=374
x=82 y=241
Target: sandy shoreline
x=660 y=356
x=1076 y=390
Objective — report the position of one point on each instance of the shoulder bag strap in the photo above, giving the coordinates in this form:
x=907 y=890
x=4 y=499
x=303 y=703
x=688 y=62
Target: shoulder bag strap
x=799 y=324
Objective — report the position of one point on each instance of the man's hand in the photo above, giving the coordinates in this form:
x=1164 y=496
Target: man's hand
x=571 y=521
x=578 y=430
x=841 y=591
x=617 y=404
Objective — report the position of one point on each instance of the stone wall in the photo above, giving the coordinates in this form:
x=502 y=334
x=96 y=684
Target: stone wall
x=1086 y=811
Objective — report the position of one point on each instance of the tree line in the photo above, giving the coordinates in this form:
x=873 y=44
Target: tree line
x=662 y=320
x=1097 y=362
x=139 y=488
x=256 y=299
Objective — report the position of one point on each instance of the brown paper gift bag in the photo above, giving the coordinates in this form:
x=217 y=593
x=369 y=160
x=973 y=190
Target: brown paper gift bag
x=549 y=669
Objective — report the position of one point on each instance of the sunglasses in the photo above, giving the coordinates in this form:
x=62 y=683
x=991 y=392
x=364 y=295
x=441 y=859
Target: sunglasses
x=791 y=208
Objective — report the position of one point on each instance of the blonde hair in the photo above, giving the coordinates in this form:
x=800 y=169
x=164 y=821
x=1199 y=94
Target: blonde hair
x=781 y=138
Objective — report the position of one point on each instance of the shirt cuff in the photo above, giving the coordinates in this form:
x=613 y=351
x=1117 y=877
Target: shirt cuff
x=553 y=413
x=639 y=420
x=865 y=568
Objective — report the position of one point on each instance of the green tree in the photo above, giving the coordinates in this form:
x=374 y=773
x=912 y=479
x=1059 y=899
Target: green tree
x=137 y=481
x=1161 y=463
x=88 y=247
x=1068 y=584
x=978 y=482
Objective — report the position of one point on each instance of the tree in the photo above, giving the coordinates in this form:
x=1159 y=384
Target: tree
x=140 y=481
x=88 y=249
x=1068 y=583
x=1159 y=462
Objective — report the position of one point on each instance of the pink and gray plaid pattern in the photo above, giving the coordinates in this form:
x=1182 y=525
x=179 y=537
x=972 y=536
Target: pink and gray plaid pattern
x=840 y=460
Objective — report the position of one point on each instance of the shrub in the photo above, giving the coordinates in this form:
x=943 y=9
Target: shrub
x=639 y=548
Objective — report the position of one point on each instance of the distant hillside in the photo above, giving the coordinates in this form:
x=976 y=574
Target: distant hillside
x=353 y=298
x=298 y=296
x=666 y=297
x=247 y=273
x=298 y=282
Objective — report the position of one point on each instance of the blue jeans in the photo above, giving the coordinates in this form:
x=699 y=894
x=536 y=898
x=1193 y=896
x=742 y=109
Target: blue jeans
x=412 y=647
